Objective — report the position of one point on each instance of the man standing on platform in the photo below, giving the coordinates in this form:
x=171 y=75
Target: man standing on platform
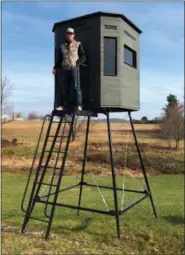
x=70 y=55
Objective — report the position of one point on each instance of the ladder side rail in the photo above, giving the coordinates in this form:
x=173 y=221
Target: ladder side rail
x=33 y=162
x=45 y=166
x=39 y=166
x=54 y=170
x=31 y=202
x=60 y=177
x=37 y=185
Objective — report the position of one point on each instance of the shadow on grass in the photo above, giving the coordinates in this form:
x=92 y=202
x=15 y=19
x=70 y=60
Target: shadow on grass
x=175 y=220
x=8 y=216
x=98 y=234
x=78 y=228
x=82 y=226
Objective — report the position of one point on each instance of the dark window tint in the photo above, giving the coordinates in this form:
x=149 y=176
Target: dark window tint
x=129 y=56
x=129 y=35
x=110 y=52
x=110 y=27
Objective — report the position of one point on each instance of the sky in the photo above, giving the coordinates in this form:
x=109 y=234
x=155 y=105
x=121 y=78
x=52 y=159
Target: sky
x=28 y=50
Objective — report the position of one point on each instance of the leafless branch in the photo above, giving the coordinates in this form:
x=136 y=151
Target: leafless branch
x=6 y=105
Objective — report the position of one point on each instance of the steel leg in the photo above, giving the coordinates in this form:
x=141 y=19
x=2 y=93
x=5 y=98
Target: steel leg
x=84 y=162
x=142 y=165
x=113 y=177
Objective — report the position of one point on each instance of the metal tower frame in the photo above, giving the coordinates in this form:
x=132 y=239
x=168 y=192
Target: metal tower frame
x=42 y=169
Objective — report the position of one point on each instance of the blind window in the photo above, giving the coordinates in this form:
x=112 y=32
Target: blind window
x=110 y=56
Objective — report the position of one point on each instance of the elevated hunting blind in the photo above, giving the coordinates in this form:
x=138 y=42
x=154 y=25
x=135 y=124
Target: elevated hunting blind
x=110 y=82
x=111 y=77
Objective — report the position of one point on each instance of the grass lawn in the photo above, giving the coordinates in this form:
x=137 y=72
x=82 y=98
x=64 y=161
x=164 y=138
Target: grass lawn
x=92 y=233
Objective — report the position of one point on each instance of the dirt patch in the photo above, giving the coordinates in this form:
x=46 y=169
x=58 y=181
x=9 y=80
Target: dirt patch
x=16 y=164
x=7 y=143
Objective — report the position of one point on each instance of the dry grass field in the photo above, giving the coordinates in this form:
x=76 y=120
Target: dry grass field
x=156 y=155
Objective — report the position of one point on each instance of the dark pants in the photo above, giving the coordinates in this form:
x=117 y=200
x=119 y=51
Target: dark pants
x=68 y=92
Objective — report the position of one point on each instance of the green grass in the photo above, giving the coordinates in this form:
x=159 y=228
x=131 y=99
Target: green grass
x=92 y=233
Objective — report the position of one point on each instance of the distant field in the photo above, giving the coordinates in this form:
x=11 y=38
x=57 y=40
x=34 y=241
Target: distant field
x=157 y=157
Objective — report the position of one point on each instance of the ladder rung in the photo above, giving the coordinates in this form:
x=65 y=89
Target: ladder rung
x=39 y=219
x=47 y=184
x=52 y=167
x=56 y=151
x=63 y=122
x=59 y=136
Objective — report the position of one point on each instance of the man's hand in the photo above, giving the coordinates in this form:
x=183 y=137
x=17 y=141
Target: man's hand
x=54 y=71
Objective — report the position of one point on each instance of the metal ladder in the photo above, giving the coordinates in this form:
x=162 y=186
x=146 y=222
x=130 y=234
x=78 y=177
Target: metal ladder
x=44 y=166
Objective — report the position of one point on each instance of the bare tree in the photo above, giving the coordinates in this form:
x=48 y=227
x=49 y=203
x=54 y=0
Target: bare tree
x=6 y=106
x=178 y=124
x=78 y=126
x=16 y=115
x=32 y=116
x=19 y=115
x=172 y=124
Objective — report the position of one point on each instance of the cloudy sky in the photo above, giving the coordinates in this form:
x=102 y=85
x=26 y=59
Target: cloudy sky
x=28 y=55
